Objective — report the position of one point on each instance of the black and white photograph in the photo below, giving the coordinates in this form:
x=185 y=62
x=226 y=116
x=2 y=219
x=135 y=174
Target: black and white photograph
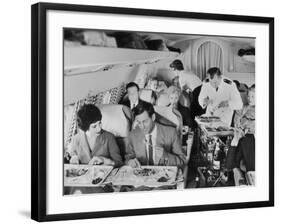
x=152 y=111
x=141 y=112
x=136 y=111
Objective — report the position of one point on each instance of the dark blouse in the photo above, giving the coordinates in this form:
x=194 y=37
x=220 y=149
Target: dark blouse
x=187 y=119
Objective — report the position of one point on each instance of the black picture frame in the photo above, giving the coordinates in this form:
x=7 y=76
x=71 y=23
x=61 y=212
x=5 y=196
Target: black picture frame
x=39 y=108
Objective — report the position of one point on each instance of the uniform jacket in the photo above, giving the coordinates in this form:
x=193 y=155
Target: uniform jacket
x=227 y=90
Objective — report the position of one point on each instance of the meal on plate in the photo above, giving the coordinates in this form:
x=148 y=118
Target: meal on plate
x=217 y=129
x=163 y=179
x=210 y=129
x=209 y=118
x=152 y=176
x=144 y=172
x=222 y=128
x=97 y=180
x=85 y=175
x=75 y=172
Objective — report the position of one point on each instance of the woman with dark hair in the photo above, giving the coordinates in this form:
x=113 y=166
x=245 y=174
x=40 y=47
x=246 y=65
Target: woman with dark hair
x=92 y=145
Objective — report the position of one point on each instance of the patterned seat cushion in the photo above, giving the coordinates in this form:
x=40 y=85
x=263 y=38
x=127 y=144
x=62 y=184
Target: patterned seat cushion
x=111 y=96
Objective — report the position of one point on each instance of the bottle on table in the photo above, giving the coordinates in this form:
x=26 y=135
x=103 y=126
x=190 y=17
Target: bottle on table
x=197 y=181
x=216 y=158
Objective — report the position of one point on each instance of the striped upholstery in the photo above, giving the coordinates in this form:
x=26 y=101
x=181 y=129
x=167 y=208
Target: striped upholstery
x=113 y=96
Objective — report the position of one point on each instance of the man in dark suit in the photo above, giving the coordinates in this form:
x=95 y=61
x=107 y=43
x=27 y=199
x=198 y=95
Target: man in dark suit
x=133 y=95
x=133 y=99
x=151 y=143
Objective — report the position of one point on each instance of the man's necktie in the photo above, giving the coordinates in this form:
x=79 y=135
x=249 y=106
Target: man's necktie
x=150 y=150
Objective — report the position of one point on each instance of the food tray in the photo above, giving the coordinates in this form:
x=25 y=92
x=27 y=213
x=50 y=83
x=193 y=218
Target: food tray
x=85 y=175
x=151 y=176
x=218 y=131
x=208 y=119
x=213 y=126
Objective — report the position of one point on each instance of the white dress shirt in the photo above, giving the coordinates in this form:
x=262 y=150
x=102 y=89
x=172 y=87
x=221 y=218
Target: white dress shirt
x=227 y=91
x=132 y=105
x=153 y=139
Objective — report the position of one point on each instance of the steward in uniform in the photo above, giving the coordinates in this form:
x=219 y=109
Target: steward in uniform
x=220 y=96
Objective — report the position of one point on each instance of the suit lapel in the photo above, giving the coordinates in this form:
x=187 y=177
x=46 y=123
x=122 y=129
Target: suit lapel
x=141 y=145
x=159 y=135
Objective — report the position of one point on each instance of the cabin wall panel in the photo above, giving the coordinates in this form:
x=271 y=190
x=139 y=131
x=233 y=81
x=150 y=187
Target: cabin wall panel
x=79 y=86
x=233 y=68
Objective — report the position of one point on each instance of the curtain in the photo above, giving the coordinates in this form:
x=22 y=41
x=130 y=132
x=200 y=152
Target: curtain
x=209 y=55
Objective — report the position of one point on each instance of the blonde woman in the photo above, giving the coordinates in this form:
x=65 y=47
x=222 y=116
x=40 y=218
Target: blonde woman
x=174 y=94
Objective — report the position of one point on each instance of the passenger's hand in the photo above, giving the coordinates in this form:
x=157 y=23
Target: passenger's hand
x=96 y=160
x=238 y=132
x=134 y=163
x=66 y=157
x=223 y=104
x=74 y=160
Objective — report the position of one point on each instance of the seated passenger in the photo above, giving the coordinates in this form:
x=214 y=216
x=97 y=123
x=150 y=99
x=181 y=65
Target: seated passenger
x=151 y=143
x=174 y=96
x=244 y=122
x=133 y=95
x=153 y=84
x=93 y=145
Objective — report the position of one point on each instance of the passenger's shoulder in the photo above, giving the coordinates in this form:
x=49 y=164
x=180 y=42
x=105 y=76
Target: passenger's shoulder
x=166 y=129
x=77 y=137
x=107 y=134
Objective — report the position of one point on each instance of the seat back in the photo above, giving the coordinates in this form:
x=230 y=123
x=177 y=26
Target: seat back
x=116 y=119
x=169 y=114
x=147 y=96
